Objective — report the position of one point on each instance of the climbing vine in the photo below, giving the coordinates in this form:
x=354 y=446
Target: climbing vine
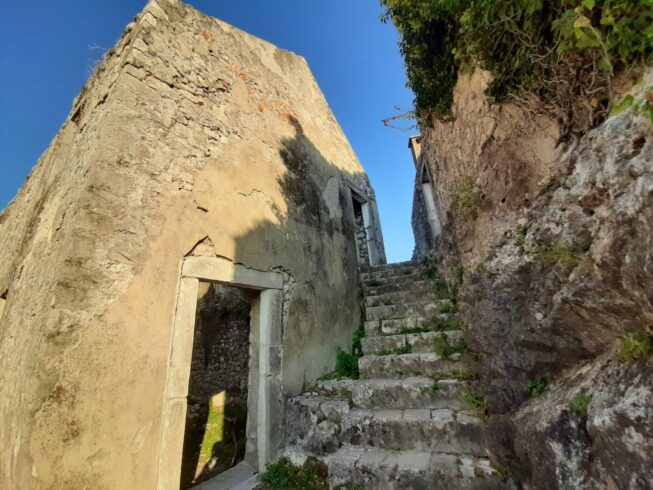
x=565 y=52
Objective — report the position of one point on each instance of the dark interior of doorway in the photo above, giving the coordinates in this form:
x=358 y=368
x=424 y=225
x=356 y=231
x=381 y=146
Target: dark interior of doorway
x=216 y=416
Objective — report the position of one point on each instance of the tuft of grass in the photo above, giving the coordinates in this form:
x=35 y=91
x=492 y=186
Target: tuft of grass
x=431 y=272
x=520 y=241
x=559 y=253
x=346 y=363
x=476 y=401
x=636 y=347
x=449 y=308
x=406 y=349
x=535 y=387
x=445 y=349
x=284 y=475
x=467 y=198
x=580 y=403
x=439 y=324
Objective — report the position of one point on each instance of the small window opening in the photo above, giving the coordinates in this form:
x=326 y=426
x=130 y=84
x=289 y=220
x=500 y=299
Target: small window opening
x=216 y=416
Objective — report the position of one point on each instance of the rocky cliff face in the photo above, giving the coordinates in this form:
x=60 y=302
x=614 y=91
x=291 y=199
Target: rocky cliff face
x=555 y=243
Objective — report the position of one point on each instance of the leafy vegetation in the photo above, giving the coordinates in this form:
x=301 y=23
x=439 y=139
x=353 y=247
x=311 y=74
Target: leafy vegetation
x=467 y=198
x=346 y=363
x=440 y=325
x=520 y=241
x=476 y=401
x=535 y=387
x=580 y=403
x=444 y=348
x=283 y=474
x=636 y=347
x=566 y=52
x=449 y=308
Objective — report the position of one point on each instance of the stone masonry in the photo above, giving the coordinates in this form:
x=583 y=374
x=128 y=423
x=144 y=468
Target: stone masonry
x=403 y=424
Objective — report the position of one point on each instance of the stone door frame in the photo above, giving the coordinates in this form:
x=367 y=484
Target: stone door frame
x=265 y=397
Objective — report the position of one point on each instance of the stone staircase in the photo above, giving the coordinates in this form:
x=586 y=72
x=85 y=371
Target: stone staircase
x=403 y=424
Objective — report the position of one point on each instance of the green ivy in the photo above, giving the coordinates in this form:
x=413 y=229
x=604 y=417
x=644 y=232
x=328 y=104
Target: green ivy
x=528 y=45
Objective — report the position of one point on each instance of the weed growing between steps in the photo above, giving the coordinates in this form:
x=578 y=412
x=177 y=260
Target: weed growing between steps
x=443 y=347
x=406 y=349
x=346 y=363
x=476 y=401
x=313 y=475
x=441 y=324
x=449 y=308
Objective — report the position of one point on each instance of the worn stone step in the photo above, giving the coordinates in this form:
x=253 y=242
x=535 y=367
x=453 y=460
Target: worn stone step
x=402 y=280
x=392 y=266
x=390 y=272
x=405 y=365
x=416 y=392
x=401 y=296
x=416 y=342
x=423 y=429
x=405 y=310
x=392 y=326
x=415 y=286
x=384 y=469
x=312 y=424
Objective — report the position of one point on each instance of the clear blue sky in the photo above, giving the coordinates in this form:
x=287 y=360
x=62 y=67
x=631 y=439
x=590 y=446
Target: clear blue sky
x=46 y=54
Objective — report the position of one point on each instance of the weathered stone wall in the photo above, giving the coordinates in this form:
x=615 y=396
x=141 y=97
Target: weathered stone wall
x=555 y=243
x=361 y=237
x=189 y=129
x=420 y=223
x=221 y=344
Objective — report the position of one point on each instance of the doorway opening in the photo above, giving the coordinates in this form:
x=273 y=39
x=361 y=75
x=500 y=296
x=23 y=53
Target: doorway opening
x=265 y=399
x=216 y=415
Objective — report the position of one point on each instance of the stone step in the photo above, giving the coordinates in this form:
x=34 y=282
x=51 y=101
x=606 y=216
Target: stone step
x=402 y=280
x=401 y=296
x=389 y=272
x=416 y=286
x=400 y=325
x=383 y=469
x=405 y=365
x=405 y=310
x=416 y=342
x=392 y=266
x=416 y=392
x=422 y=429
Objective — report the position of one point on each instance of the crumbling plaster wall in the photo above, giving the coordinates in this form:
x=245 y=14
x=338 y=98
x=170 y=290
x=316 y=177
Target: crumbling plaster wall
x=555 y=243
x=190 y=128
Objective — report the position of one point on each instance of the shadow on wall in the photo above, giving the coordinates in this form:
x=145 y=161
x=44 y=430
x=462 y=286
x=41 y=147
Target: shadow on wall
x=317 y=250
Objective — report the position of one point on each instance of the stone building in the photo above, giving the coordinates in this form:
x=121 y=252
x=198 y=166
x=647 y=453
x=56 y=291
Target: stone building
x=196 y=153
x=425 y=217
